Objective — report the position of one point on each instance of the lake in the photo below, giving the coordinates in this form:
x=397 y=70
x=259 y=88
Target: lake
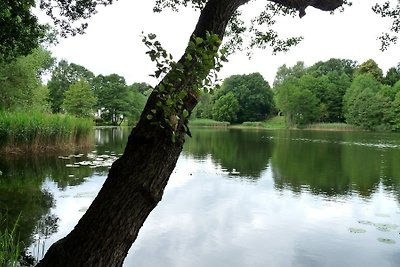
x=236 y=198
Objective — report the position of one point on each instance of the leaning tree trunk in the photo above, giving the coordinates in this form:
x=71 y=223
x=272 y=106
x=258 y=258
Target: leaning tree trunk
x=136 y=181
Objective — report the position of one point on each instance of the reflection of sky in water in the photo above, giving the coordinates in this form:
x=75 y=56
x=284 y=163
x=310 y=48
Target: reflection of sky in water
x=205 y=219
x=211 y=221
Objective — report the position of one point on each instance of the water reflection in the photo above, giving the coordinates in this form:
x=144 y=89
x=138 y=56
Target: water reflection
x=23 y=199
x=236 y=198
x=241 y=153
x=337 y=163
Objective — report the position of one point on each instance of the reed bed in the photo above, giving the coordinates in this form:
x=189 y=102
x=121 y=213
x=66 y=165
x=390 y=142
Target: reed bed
x=38 y=131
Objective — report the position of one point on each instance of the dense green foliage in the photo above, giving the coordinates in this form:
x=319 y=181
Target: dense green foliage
x=392 y=76
x=22 y=89
x=63 y=76
x=117 y=100
x=20 y=83
x=240 y=98
x=339 y=91
x=327 y=93
x=20 y=30
x=226 y=108
x=370 y=67
x=79 y=99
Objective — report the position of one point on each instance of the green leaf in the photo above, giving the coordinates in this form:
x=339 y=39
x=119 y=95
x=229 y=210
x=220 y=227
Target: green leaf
x=198 y=40
x=149 y=117
x=182 y=94
x=170 y=102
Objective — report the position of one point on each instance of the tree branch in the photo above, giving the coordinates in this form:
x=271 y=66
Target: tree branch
x=301 y=5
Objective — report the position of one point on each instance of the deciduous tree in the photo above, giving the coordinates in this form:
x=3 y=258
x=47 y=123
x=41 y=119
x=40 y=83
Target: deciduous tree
x=20 y=78
x=79 y=99
x=392 y=76
x=370 y=67
x=63 y=75
x=20 y=30
x=253 y=94
x=226 y=108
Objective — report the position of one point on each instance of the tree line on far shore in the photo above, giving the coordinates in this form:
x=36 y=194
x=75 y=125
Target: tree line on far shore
x=71 y=89
x=334 y=91
x=337 y=90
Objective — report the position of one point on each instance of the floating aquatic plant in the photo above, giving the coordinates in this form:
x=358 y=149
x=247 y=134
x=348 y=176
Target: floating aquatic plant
x=365 y=222
x=386 y=241
x=83 y=209
x=85 y=195
x=385 y=227
x=357 y=230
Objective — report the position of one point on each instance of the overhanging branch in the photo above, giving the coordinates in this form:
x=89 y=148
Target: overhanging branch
x=301 y=5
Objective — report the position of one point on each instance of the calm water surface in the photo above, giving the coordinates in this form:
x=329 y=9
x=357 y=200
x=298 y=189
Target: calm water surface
x=236 y=198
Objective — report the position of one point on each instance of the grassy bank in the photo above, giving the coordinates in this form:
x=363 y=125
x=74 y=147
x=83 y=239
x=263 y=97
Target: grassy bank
x=332 y=127
x=208 y=123
x=37 y=131
x=277 y=122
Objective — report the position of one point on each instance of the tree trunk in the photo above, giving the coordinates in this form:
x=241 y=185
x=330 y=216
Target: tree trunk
x=137 y=180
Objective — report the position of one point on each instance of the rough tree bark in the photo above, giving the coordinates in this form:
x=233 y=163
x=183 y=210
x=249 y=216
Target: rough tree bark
x=136 y=181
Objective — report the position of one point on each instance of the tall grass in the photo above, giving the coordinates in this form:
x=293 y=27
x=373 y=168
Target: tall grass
x=38 y=131
x=208 y=123
x=336 y=126
x=10 y=249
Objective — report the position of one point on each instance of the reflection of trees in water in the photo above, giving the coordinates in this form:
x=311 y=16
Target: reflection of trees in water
x=391 y=172
x=112 y=139
x=333 y=164
x=297 y=163
x=22 y=194
x=39 y=168
x=45 y=227
x=247 y=152
x=29 y=203
x=21 y=187
x=327 y=163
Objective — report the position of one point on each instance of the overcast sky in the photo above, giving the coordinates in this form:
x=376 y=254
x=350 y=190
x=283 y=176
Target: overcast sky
x=112 y=43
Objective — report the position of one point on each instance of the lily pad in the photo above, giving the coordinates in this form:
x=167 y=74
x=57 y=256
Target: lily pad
x=83 y=209
x=385 y=227
x=72 y=166
x=365 y=222
x=357 y=230
x=386 y=241
x=85 y=195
